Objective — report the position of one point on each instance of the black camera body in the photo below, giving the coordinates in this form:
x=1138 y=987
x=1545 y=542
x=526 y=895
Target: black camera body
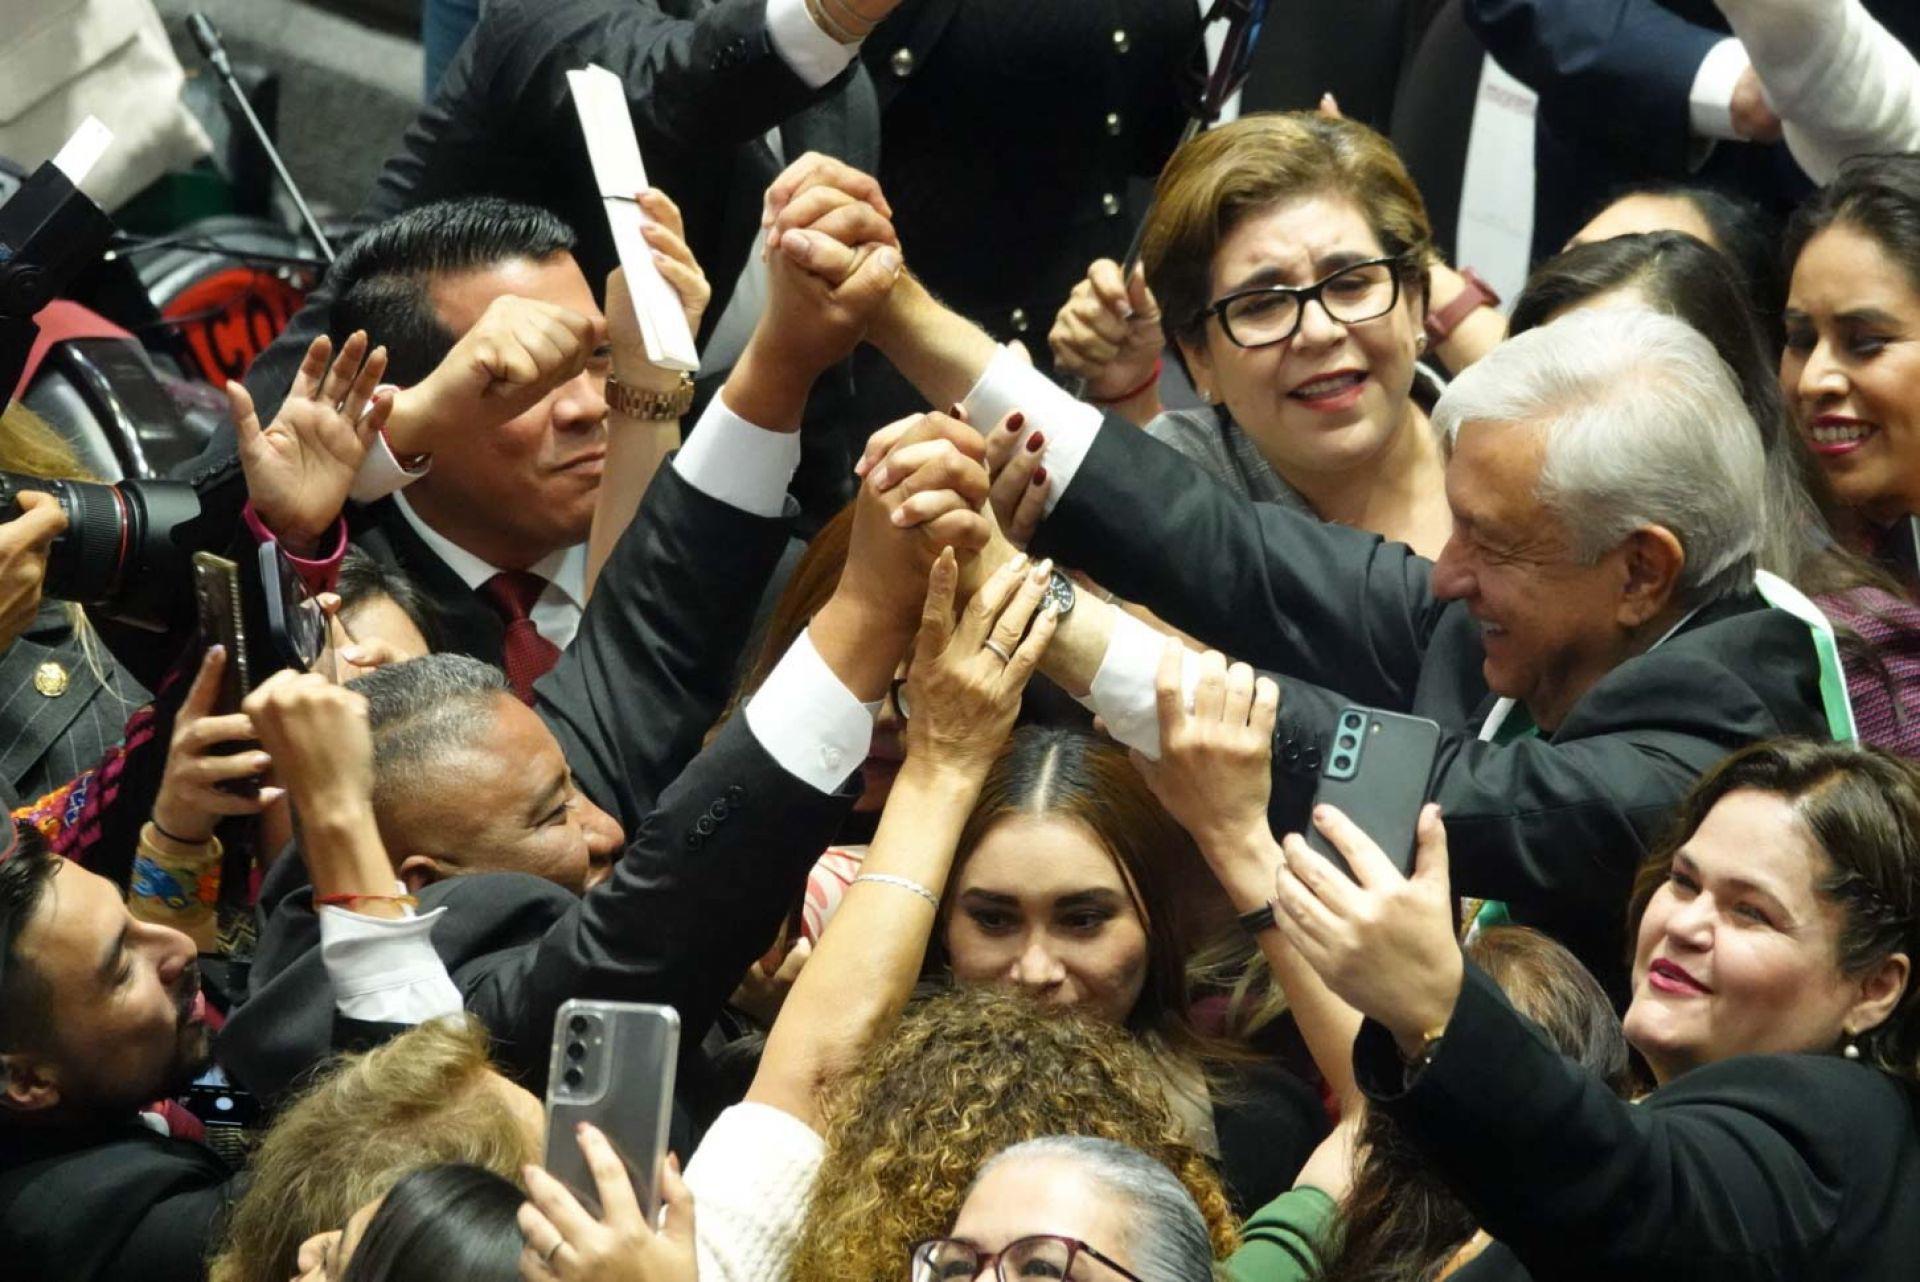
x=126 y=546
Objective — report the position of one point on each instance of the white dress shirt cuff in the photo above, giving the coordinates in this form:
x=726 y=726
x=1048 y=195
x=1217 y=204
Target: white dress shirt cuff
x=380 y=473
x=1710 y=104
x=1123 y=692
x=743 y=466
x=1009 y=384
x=815 y=56
x=385 y=970
x=808 y=721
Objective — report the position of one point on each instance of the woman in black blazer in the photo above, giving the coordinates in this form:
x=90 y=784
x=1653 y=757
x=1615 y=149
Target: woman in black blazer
x=1771 y=1002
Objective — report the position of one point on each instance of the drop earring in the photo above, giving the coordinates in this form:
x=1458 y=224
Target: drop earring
x=1852 y=1049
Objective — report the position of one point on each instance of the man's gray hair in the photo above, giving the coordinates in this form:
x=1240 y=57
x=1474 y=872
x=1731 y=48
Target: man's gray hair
x=1645 y=425
x=423 y=711
x=1168 y=1239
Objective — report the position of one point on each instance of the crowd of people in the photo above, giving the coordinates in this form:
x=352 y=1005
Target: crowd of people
x=966 y=807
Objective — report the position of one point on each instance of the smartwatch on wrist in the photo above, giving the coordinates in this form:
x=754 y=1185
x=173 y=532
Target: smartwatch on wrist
x=1477 y=294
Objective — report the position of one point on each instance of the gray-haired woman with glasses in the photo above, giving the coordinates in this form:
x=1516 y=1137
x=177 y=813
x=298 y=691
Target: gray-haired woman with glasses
x=1076 y=1209
x=1287 y=256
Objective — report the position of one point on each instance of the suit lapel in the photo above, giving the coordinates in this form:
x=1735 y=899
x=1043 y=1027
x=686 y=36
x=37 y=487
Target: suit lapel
x=35 y=719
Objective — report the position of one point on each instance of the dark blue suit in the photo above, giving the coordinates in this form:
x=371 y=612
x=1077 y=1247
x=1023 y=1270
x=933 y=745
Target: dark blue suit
x=1614 y=79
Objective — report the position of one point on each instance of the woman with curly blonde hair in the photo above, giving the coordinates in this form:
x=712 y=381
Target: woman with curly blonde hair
x=968 y=1074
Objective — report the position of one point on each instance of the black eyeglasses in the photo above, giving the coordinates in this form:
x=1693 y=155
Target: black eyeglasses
x=1272 y=313
x=1030 y=1259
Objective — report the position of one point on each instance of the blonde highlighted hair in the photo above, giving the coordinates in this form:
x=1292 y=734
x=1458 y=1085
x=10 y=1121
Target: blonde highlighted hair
x=422 y=1099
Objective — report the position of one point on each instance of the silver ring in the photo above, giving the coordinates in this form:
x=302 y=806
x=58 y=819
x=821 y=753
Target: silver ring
x=1005 y=655
x=546 y=1256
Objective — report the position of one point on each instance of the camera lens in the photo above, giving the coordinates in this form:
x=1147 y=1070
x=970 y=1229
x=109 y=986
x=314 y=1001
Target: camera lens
x=1349 y=742
x=576 y=1050
x=1343 y=762
x=573 y=1077
x=578 y=1026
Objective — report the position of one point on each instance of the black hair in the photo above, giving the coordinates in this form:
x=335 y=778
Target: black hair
x=1686 y=278
x=365 y=578
x=381 y=280
x=1880 y=195
x=1747 y=234
x=26 y=1005
x=443 y=1222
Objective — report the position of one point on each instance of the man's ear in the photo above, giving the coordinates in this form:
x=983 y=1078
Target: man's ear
x=417 y=872
x=27 y=1085
x=1653 y=562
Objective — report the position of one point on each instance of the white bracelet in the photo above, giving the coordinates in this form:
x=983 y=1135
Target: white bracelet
x=887 y=879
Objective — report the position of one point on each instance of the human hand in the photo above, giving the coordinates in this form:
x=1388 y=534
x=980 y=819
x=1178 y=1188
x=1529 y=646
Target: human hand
x=1382 y=942
x=665 y=233
x=823 y=293
x=763 y=990
x=1215 y=769
x=191 y=800
x=816 y=170
x=1753 y=116
x=1109 y=331
x=24 y=542
x=1020 y=486
x=316 y=734
x=924 y=494
x=565 y=1241
x=352 y=656
x=301 y=466
x=513 y=357
x=967 y=677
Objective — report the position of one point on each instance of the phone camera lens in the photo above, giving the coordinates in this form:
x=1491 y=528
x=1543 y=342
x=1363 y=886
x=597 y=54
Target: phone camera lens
x=1343 y=762
x=576 y=1051
x=573 y=1077
x=1349 y=742
x=578 y=1026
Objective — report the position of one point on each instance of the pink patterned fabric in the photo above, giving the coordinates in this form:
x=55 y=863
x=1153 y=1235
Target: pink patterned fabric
x=827 y=885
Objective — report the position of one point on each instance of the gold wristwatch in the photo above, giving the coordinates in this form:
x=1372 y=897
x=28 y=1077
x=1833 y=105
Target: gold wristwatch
x=634 y=402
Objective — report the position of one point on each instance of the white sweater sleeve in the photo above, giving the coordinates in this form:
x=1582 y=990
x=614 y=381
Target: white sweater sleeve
x=1840 y=82
x=752 y=1180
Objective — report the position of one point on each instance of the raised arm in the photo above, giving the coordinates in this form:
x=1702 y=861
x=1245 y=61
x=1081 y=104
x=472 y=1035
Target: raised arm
x=964 y=698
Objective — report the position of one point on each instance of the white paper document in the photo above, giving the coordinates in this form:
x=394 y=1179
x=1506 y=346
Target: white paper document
x=601 y=101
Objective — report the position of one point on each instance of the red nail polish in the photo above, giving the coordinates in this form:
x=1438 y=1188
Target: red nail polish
x=1035 y=441
x=1039 y=476
x=1016 y=421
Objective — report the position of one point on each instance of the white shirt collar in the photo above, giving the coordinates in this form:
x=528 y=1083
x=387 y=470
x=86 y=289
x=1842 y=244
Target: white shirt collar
x=565 y=569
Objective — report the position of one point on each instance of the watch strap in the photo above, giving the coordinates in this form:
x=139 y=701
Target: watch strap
x=651 y=406
x=1257 y=921
x=1477 y=294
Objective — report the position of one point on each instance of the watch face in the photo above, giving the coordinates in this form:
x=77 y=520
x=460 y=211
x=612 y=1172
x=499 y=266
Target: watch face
x=1060 y=593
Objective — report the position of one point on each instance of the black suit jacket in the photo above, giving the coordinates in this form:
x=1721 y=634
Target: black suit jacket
x=705 y=85
x=460 y=620
x=1554 y=826
x=713 y=863
x=47 y=739
x=1615 y=78
x=1762 y=1167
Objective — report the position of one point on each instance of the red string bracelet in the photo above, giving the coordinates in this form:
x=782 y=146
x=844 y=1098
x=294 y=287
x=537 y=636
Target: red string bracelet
x=1124 y=397
x=348 y=901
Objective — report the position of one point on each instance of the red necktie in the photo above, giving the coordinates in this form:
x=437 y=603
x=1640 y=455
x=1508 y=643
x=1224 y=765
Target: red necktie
x=529 y=655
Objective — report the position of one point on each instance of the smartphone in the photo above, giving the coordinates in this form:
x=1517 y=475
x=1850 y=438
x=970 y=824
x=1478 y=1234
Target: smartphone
x=612 y=1065
x=296 y=626
x=216 y=589
x=1378 y=774
x=217 y=592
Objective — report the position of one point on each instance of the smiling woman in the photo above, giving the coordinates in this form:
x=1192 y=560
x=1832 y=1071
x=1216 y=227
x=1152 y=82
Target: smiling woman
x=1289 y=254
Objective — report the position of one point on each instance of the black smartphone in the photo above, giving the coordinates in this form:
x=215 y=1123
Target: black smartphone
x=296 y=625
x=217 y=592
x=1378 y=773
x=612 y=1065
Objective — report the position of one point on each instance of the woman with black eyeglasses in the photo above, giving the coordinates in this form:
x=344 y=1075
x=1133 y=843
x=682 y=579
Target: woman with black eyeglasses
x=1288 y=257
x=1079 y=1208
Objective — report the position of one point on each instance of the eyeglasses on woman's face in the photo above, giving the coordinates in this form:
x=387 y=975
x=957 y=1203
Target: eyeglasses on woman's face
x=1045 y=1257
x=1272 y=313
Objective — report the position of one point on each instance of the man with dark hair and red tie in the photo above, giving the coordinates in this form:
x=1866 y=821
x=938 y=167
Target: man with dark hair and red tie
x=482 y=487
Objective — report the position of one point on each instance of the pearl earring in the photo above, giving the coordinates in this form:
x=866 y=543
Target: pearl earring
x=1852 y=1048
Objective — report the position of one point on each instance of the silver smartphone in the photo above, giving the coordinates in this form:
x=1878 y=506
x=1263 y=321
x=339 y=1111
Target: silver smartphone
x=612 y=1065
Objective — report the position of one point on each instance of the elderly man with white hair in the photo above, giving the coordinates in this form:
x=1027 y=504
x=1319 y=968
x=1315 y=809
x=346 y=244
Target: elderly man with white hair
x=1590 y=640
